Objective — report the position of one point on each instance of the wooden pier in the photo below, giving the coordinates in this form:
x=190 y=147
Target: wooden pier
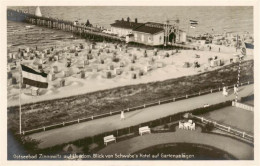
x=67 y=26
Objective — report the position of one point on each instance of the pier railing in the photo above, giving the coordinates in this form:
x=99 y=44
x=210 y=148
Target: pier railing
x=145 y=105
x=55 y=23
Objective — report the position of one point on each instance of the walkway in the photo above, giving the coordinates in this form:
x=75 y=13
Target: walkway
x=236 y=148
x=74 y=132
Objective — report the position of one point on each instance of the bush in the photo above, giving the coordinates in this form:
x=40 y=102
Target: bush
x=200 y=111
x=209 y=127
x=166 y=126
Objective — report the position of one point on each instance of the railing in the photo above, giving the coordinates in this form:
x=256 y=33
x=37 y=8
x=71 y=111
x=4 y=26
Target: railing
x=130 y=131
x=243 y=106
x=222 y=127
x=44 y=128
x=74 y=28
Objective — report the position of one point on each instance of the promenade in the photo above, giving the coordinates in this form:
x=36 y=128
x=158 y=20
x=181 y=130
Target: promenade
x=74 y=132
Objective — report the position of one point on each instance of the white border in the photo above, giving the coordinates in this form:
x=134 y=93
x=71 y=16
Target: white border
x=3 y=75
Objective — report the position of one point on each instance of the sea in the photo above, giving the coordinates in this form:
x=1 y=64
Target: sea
x=213 y=19
x=237 y=19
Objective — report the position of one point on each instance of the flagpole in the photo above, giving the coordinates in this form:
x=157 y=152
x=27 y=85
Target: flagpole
x=20 y=109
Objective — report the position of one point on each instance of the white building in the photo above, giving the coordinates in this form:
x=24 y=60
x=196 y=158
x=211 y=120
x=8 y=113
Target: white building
x=148 y=35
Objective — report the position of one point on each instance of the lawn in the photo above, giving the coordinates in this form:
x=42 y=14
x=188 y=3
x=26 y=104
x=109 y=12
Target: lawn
x=234 y=117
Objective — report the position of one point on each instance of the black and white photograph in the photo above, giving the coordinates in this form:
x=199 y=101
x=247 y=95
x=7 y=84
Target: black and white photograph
x=133 y=82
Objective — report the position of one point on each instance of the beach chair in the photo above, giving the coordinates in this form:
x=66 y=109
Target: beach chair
x=186 y=126
x=192 y=127
x=181 y=126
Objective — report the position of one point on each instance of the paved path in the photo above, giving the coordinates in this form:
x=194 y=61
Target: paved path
x=94 y=127
x=236 y=148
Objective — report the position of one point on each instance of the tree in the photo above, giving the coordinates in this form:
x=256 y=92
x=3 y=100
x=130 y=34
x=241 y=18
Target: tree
x=209 y=126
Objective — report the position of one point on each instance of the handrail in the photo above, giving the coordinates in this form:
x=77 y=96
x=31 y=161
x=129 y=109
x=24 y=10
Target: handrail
x=225 y=128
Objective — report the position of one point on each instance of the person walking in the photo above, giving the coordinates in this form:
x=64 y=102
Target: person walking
x=235 y=89
x=219 y=49
x=122 y=116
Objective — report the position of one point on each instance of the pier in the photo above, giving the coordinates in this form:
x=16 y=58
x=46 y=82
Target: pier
x=64 y=25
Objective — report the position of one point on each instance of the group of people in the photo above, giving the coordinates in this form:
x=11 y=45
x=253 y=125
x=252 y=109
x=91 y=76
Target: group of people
x=225 y=92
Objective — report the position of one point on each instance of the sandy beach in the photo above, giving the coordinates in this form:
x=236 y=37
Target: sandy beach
x=121 y=62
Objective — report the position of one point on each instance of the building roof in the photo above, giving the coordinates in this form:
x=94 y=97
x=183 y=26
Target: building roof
x=126 y=24
x=154 y=24
x=148 y=29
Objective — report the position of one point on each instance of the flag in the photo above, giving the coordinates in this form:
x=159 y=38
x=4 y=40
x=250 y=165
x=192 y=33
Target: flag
x=249 y=45
x=193 y=23
x=33 y=77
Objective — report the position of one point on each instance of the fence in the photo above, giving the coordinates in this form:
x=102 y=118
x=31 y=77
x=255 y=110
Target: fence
x=225 y=128
x=44 y=128
x=243 y=106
